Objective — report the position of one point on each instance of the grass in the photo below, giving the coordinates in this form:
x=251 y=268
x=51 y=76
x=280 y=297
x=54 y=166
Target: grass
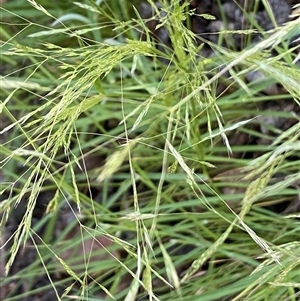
x=134 y=161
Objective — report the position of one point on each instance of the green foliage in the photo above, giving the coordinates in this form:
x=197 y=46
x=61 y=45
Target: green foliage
x=87 y=90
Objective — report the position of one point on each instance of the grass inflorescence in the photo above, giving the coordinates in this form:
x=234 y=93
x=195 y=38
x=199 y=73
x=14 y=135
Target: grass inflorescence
x=133 y=169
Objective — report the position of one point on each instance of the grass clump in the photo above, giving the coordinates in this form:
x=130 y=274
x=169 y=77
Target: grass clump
x=129 y=173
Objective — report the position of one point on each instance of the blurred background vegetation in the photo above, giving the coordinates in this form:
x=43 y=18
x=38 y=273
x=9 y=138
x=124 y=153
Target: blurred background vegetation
x=140 y=160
